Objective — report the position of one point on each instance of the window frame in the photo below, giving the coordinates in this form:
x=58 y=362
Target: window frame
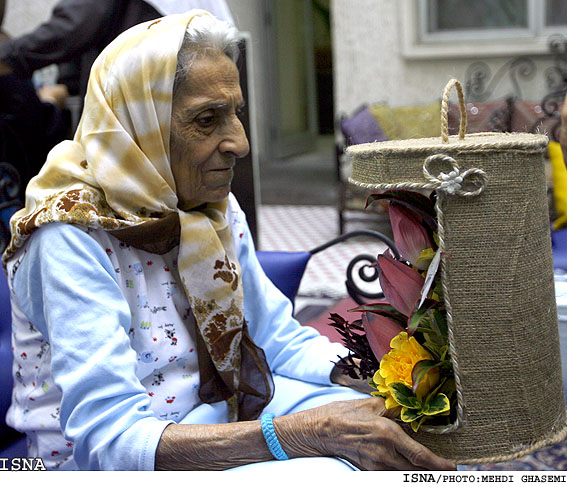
x=417 y=43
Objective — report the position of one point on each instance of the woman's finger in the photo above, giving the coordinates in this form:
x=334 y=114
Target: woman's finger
x=419 y=455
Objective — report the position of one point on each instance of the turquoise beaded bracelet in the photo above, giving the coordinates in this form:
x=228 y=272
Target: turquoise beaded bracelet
x=271 y=437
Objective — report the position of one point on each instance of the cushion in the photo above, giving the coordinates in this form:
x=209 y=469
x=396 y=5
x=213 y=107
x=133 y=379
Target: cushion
x=559 y=246
x=481 y=117
x=6 y=357
x=530 y=117
x=284 y=269
x=362 y=127
x=559 y=172
x=409 y=122
x=525 y=114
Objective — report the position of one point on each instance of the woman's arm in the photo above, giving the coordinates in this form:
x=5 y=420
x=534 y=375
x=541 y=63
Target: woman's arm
x=357 y=431
x=292 y=350
x=66 y=286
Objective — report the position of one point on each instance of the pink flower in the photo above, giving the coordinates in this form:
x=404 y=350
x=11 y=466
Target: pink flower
x=400 y=283
x=379 y=331
x=410 y=235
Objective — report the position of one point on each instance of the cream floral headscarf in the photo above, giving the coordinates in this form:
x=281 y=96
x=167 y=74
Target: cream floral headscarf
x=115 y=175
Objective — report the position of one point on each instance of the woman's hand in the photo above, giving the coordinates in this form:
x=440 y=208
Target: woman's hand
x=359 y=432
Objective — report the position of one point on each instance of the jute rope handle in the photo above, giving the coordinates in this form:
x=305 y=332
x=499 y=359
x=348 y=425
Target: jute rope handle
x=445 y=111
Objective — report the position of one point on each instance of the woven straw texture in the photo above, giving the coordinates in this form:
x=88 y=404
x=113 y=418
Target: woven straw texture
x=498 y=279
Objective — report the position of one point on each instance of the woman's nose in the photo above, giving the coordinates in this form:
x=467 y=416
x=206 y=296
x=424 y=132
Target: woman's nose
x=235 y=141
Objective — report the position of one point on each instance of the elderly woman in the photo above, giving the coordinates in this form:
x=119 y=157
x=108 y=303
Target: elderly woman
x=146 y=335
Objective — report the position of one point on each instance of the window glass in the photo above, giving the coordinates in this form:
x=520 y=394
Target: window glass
x=556 y=12
x=459 y=15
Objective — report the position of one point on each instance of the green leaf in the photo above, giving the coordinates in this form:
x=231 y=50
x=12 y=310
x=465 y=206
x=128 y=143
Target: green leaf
x=447 y=386
x=437 y=405
x=379 y=394
x=373 y=307
x=443 y=351
x=404 y=395
x=420 y=369
x=371 y=383
x=435 y=345
x=434 y=392
x=446 y=413
x=438 y=288
x=415 y=425
x=383 y=309
x=439 y=321
x=408 y=415
x=426 y=255
x=418 y=315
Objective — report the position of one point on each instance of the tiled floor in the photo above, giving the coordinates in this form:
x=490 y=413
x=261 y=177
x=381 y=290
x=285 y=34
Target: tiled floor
x=299 y=228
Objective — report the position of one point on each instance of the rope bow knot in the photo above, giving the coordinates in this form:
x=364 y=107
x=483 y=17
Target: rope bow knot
x=452 y=182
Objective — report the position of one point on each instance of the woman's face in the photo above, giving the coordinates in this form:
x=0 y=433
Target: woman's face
x=206 y=135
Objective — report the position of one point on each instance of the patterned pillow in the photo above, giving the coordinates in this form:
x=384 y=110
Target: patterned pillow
x=409 y=122
x=530 y=117
x=362 y=127
x=481 y=117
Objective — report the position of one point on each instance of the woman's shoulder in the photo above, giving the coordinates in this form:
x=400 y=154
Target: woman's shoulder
x=59 y=244
x=54 y=235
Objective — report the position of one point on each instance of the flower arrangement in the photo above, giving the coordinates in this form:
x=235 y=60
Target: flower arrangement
x=401 y=344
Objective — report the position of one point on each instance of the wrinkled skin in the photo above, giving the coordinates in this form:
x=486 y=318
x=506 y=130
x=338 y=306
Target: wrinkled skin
x=357 y=431
x=207 y=136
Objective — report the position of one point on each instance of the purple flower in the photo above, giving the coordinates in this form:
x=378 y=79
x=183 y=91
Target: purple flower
x=410 y=235
x=379 y=331
x=400 y=283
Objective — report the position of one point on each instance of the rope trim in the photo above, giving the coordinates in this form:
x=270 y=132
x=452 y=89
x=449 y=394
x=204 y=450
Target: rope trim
x=460 y=420
x=504 y=142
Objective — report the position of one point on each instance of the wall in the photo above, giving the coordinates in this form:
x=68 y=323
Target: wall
x=249 y=16
x=369 y=66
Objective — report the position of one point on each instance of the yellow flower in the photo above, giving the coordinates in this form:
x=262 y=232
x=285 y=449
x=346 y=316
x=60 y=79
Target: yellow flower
x=397 y=366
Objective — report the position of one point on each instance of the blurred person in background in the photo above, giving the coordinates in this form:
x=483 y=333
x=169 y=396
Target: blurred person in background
x=78 y=31
x=30 y=126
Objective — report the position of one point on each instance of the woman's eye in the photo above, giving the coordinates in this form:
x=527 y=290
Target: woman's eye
x=205 y=119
